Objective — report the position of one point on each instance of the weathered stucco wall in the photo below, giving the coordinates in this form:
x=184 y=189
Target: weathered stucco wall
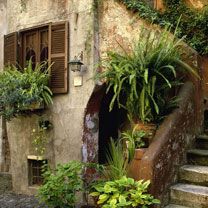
x=198 y=4
x=117 y=26
x=67 y=112
x=3 y=30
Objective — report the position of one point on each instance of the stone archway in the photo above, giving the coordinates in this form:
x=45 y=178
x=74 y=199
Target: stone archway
x=100 y=125
x=91 y=125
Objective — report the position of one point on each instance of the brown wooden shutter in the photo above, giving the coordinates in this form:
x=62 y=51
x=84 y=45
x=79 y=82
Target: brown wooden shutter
x=10 y=49
x=58 y=55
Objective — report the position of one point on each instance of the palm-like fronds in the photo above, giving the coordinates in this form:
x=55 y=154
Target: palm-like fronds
x=139 y=75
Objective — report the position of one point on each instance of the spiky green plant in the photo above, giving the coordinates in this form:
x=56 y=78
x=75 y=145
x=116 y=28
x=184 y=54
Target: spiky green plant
x=117 y=162
x=145 y=75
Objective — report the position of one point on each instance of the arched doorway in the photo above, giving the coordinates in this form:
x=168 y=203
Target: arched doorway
x=100 y=125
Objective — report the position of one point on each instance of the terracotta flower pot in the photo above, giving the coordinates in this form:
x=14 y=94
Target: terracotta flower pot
x=135 y=163
x=150 y=128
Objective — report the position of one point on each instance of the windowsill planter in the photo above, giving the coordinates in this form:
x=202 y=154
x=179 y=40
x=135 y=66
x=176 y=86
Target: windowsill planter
x=35 y=106
x=24 y=91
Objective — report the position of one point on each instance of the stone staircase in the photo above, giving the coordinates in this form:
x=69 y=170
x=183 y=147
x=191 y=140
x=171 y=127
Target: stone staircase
x=192 y=189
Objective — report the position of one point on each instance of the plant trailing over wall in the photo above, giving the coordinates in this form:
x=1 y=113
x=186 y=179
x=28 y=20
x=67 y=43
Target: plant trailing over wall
x=124 y=192
x=20 y=90
x=193 y=23
x=40 y=137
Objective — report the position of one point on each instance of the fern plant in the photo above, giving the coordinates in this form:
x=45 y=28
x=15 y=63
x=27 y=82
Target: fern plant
x=145 y=75
x=21 y=88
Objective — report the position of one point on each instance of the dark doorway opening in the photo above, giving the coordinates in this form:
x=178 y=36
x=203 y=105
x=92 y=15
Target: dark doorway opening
x=109 y=124
x=206 y=121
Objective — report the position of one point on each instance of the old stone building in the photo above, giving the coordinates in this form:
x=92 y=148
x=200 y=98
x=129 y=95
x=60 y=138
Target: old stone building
x=59 y=30
x=76 y=32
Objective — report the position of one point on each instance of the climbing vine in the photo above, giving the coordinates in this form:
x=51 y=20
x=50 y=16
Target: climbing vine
x=193 y=23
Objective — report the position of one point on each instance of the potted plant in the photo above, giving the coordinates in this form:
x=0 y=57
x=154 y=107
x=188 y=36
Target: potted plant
x=22 y=90
x=142 y=78
x=116 y=188
x=136 y=142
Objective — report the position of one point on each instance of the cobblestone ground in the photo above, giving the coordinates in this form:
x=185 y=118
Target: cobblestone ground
x=11 y=200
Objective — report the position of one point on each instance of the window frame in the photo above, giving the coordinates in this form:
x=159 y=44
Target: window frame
x=38 y=167
x=59 y=82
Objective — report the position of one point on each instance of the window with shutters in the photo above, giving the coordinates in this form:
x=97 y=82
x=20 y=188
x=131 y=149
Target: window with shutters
x=46 y=43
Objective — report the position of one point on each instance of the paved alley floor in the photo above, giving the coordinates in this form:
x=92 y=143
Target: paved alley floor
x=11 y=200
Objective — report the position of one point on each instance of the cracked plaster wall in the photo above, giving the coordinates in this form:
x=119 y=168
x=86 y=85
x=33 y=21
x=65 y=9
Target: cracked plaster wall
x=67 y=112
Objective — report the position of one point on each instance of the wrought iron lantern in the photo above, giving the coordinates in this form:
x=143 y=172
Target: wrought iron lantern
x=76 y=63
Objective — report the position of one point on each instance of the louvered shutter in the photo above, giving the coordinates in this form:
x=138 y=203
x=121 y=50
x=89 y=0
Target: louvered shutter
x=58 y=55
x=10 y=49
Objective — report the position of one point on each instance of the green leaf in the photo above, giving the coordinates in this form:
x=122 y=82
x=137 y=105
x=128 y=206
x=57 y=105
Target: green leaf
x=113 y=202
x=102 y=198
x=146 y=76
x=94 y=194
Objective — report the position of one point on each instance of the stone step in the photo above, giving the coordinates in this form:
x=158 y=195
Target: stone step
x=197 y=157
x=175 y=206
x=202 y=142
x=194 y=174
x=189 y=195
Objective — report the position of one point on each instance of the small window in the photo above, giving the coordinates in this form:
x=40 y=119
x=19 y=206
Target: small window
x=35 y=171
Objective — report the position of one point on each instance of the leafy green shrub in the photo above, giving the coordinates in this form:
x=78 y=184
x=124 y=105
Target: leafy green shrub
x=20 y=89
x=124 y=192
x=60 y=187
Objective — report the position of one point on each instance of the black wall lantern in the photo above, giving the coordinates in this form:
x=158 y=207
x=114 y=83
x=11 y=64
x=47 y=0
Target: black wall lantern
x=76 y=63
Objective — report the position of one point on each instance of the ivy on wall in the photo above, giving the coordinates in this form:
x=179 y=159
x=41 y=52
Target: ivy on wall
x=193 y=23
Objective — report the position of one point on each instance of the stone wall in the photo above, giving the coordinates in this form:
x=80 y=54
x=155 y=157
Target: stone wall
x=3 y=31
x=167 y=152
x=118 y=26
x=5 y=182
x=67 y=112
